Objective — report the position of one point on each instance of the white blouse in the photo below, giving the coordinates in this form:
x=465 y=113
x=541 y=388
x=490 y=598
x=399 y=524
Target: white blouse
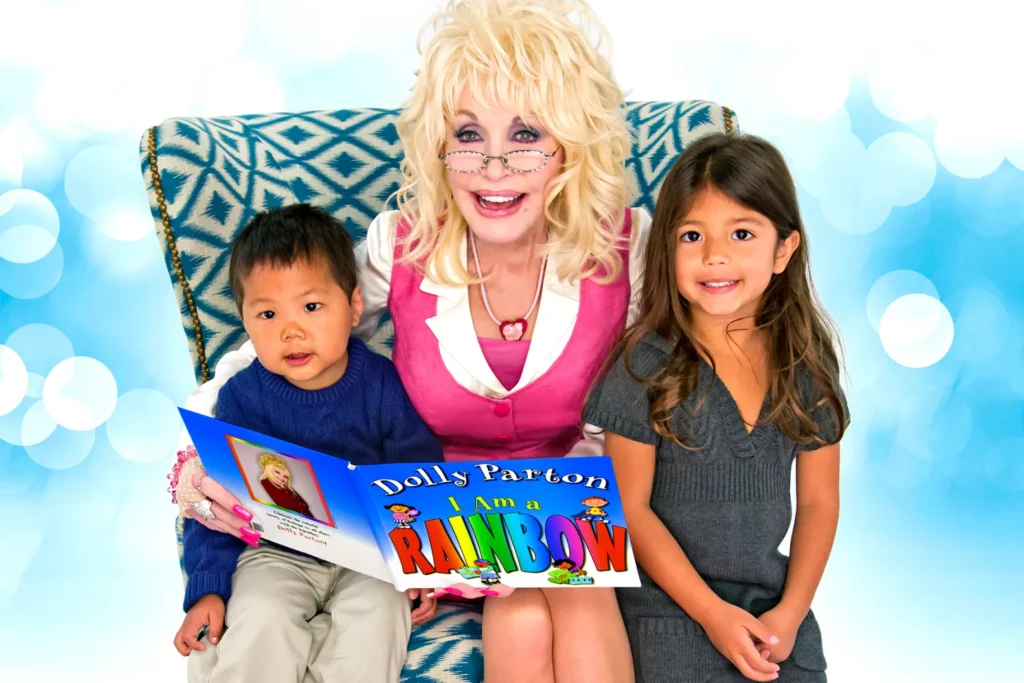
x=453 y=324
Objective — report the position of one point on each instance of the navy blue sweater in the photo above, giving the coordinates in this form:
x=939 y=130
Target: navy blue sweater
x=365 y=418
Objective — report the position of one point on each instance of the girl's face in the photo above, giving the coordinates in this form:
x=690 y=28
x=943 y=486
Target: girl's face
x=501 y=206
x=726 y=255
x=278 y=476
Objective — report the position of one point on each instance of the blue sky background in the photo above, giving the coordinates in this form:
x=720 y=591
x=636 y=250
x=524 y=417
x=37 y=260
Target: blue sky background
x=905 y=133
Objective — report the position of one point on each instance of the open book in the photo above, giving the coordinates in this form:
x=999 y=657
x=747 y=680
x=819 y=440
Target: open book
x=525 y=523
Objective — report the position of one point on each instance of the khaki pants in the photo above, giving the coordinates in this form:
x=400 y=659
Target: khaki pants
x=294 y=619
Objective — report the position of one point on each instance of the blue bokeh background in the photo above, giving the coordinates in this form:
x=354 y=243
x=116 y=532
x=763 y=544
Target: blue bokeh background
x=905 y=131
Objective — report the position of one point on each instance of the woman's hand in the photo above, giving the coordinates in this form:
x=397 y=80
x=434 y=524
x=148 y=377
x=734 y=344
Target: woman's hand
x=204 y=500
x=464 y=590
x=734 y=632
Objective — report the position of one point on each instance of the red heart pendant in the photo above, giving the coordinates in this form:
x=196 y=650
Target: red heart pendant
x=513 y=330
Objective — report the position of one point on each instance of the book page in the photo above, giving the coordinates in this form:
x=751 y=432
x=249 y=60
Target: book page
x=299 y=498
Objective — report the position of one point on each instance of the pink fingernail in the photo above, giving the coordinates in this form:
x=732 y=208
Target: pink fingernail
x=453 y=591
x=435 y=594
x=246 y=531
x=242 y=513
x=488 y=591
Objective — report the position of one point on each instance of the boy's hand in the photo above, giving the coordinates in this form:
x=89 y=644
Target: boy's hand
x=207 y=611
x=427 y=607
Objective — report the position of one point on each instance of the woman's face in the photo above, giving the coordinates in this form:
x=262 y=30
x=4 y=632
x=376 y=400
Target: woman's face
x=501 y=206
x=278 y=476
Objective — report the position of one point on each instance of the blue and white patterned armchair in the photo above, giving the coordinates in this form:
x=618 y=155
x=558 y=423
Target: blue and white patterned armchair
x=207 y=177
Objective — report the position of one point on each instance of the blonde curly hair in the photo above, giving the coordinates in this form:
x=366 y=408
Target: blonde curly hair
x=535 y=58
x=269 y=459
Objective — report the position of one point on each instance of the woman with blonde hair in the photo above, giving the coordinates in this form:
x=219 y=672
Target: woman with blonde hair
x=509 y=269
x=277 y=482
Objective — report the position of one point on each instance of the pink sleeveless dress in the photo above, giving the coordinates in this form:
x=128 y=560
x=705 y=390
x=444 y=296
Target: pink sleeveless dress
x=540 y=420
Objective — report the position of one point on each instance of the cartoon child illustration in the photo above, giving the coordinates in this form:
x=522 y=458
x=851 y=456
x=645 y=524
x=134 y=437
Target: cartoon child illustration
x=483 y=570
x=565 y=571
x=595 y=510
x=402 y=514
x=277 y=482
x=488 y=574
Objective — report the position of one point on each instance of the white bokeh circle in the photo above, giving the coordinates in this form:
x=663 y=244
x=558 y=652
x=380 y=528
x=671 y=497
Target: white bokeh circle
x=13 y=380
x=63 y=449
x=969 y=151
x=901 y=168
x=40 y=346
x=36 y=426
x=901 y=89
x=29 y=226
x=916 y=330
x=145 y=426
x=80 y=393
x=892 y=286
x=121 y=259
x=33 y=280
x=10 y=424
x=857 y=187
x=103 y=181
x=127 y=223
x=11 y=168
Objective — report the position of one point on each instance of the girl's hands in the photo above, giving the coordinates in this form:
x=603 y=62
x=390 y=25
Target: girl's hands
x=784 y=625
x=734 y=632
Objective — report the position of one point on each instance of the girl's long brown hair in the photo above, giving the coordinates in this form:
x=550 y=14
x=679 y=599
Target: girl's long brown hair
x=796 y=328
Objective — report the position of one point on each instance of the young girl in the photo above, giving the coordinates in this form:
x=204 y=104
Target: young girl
x=728 y=375
x=277 y=482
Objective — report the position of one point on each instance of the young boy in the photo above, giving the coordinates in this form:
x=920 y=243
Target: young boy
x=293 y=278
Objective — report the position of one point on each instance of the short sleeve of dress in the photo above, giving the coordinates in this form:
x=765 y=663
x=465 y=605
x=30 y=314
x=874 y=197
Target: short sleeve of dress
x=620 y=403
x=823 y=415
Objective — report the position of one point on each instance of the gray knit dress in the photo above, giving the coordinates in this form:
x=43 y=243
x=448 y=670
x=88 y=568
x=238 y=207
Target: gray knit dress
x=728 y=506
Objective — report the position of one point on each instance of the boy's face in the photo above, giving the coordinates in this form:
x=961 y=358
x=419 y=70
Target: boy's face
x=299 y=320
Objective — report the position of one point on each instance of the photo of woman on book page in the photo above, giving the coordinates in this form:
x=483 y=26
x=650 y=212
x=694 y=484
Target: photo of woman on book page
x=279 y=480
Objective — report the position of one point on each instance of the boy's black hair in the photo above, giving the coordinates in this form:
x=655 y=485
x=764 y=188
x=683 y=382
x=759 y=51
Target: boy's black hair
x=280 y=237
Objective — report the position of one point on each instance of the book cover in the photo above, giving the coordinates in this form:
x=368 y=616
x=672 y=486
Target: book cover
x=553 y=522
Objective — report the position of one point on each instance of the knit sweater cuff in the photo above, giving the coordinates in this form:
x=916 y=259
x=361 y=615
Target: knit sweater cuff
x=201 y=584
